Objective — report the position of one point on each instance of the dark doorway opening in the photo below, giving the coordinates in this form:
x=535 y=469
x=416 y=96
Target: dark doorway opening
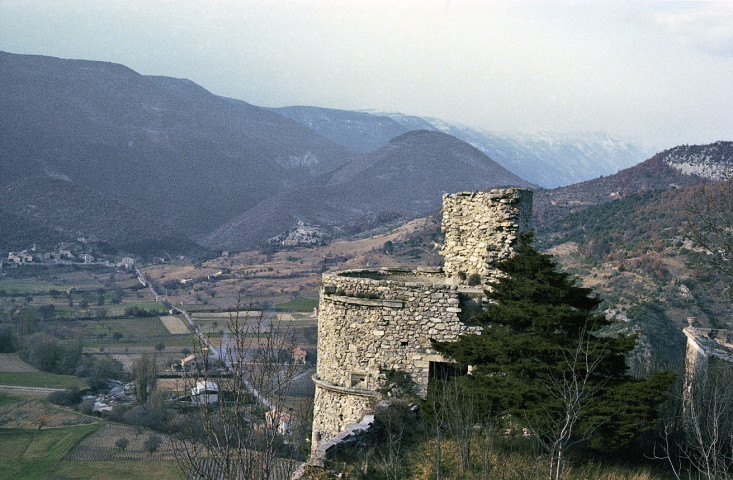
x=445 y=371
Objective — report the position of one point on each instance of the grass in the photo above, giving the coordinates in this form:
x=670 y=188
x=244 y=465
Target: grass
x=36 y=453
x=119 y=470
x=29 y=286
x=41 y=379
x=132 y=327
x=299 y=304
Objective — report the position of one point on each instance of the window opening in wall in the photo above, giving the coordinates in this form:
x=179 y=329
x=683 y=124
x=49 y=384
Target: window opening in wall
x=358 y=380
x=403 y=343
x=445 y=370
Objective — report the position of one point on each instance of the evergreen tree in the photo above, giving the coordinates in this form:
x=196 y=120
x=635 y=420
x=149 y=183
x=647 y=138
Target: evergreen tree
x=541 y=333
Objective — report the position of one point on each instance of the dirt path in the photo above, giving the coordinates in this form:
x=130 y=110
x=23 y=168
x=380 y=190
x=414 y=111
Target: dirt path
x=18 y=390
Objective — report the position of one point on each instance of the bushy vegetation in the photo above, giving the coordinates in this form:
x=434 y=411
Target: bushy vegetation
x=50 y=354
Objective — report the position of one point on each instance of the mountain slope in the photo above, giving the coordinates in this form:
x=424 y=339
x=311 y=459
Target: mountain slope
x=163 y=145
x=56 y=210
x=635 y=253
x=404 y=179
x=663 y=171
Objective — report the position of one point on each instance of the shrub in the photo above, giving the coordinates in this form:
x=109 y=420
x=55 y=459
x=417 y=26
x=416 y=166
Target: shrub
x=86 y=407
x=474 y=279
x=8 y=342
x=152 y=443
x=65 y=398
x=97 y=369
x=121 y=443
x=145 y=416
x=50 y=354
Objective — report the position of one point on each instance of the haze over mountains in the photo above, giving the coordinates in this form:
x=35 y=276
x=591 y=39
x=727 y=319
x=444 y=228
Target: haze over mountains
x=95 y=148
x=548 y=160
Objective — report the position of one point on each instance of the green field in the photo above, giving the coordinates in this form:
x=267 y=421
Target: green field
x=298 y=305
x=36 y=453
x=119 y=470
x=29 y=286
x=41 y=379
x=132 y=327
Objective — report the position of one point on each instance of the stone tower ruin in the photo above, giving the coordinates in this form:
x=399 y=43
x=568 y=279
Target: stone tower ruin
x=371 y=321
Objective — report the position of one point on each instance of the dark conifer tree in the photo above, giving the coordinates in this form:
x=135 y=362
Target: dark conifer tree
x=535 y=319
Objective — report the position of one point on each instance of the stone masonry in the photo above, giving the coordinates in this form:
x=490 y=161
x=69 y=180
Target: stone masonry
x=481 y=228
x=373 y=321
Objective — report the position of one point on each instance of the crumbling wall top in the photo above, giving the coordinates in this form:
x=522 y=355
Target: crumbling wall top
x=480 y=229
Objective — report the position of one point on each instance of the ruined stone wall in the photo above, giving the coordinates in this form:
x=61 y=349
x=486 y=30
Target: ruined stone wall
x=481 y=228
x=368 y=325
x=708 y=351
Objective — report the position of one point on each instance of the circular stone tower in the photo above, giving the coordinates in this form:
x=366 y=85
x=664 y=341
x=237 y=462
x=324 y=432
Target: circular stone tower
x=373 y=321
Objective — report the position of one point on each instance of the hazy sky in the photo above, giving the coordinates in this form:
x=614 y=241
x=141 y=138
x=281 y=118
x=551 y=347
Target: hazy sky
x=658 y=71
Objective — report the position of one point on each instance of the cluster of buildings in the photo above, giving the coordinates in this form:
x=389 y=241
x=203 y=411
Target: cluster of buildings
x=62 y=253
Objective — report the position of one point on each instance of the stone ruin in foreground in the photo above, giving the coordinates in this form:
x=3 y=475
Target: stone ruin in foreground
x=370 y=321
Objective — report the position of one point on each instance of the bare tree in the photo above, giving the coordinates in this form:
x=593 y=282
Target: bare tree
x=458 y=417
x=573 y=389
x=697 y=440
x=400 y=429
x=709 y=223
x=241 y=432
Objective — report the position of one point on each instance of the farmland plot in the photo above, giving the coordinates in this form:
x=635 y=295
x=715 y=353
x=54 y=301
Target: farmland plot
x=27 y=414
x=101 y=445
x=175 y=325
x=9 y=362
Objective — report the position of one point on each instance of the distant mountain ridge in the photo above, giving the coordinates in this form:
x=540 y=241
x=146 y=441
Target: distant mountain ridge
x=373 y=190
x=143 y=155
x=358 y=131
x=136 y=153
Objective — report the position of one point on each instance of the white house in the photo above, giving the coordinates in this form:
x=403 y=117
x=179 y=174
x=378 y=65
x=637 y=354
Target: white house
x=205 y=393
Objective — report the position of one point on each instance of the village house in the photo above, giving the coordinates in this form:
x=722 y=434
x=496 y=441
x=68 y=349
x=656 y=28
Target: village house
x=20 y=258
x=299 y=355
x=279 y=420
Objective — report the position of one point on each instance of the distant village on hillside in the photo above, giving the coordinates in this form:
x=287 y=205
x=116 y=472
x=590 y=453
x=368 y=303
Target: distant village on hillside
x=65 y=254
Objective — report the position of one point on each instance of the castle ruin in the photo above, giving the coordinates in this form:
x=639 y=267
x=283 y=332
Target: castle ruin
x=372 y=321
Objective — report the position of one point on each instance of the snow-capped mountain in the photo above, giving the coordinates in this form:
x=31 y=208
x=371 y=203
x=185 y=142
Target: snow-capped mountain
x=547 y=159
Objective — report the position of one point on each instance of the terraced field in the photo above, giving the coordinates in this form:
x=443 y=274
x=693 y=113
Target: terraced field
x=101 y=445
x=30 y=413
